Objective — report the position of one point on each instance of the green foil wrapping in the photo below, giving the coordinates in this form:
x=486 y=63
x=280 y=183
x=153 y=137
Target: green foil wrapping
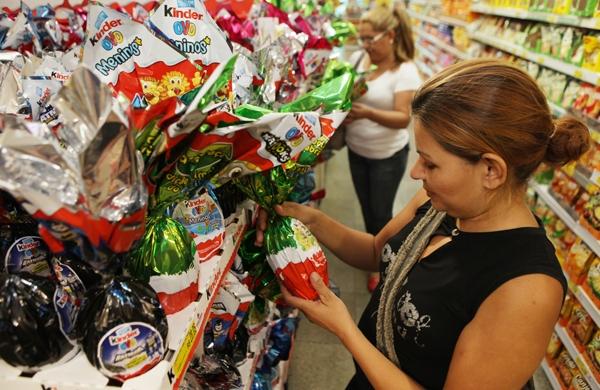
x=330 y=96
x=262 y=281
x=340 y=31
x=166 y=249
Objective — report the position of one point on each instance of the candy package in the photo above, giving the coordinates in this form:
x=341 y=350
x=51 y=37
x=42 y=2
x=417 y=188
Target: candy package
x=126 y=55
x=30 y=334
x=164 y=257
x=202 y=217
x=122 y=328
x=84 y=184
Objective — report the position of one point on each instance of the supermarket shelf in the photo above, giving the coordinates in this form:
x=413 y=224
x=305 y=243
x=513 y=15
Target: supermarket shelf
x=422 y=17
x=185 y=330
x=547 y=61
x=588 y=305
x=443 y=45
x=566 y=218
x=569 y=20
x=426 y=70
x=550 y=375
x=426 y=2
x=426 y=53
x=576 y=356
x=453 y=21
x=556 y=109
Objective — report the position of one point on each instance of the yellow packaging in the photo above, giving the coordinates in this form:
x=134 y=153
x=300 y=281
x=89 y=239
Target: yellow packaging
x=591 y=53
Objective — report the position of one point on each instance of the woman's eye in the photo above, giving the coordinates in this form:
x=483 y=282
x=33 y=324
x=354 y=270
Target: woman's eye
x=429 y=165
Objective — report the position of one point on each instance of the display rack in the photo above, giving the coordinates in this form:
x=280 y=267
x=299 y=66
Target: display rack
x=551 y=375
x=426 y=70
x=443 y=45
x=185 y=330
x=576 y=356
x=542 y=59
x=568 y=20
x=423 y=18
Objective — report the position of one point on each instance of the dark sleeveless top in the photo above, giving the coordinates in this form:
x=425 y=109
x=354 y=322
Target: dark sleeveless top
x=444 y=290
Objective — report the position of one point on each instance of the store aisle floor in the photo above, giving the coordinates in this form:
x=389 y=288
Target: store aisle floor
x=319 y=361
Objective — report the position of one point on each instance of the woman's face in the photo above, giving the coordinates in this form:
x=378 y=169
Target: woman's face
x=378 y=44
x=454 y=184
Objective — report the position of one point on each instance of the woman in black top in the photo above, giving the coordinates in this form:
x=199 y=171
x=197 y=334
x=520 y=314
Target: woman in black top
x=470 y=286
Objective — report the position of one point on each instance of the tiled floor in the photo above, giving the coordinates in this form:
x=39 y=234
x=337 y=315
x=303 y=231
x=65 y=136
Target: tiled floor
x=319 y=361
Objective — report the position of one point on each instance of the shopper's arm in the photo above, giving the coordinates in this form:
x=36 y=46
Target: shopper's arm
x=506 y=340
x=355 y=248
x=398 y=118
x=330 y=313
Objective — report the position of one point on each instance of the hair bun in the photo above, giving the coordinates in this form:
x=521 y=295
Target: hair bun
x=571 y=139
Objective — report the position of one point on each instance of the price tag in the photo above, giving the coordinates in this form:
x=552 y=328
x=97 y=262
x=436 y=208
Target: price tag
x=185 y=350
x=552 y=18
x=540 y=60
x=597 y=23
x=578 y=73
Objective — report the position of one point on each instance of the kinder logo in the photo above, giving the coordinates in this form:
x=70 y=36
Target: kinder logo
x=44 y=97
x=27 y=246
x=105 y=28
x=59 y=76
x=173 y=12
x=112 y=39
x=186 y=4
x=306 y=126
x=102 y=16
x=122 y=338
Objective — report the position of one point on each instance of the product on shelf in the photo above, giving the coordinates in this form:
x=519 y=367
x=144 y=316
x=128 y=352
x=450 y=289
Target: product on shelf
x=122 y=328
x=592 y=282
x=31 y=337
x=578 y=261
x=566 y=309
x=581 y=325
x=164 y=257
x=579 y=383
x=592 y=354
x=554 y=347
x=203 y=218
x=213 y=372
x=566 y=367
x=590 y=218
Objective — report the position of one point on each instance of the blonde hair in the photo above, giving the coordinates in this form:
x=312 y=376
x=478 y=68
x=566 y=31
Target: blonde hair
x=396 y=19
x=489 y=106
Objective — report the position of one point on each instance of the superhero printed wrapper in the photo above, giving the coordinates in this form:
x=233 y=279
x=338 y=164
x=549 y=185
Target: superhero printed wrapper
x=292 y=251
x=122 y=328
x=126 y=55
x=188 y=27
x=38 y=90
x=201 y=215
x=87 y=193
x=165 y=258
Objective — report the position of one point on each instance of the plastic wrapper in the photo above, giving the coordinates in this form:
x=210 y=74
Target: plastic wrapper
x=292 y=251
x=38 y=91
x=126 y=55
x=202 y=217
x=12 y=100
x=122 y=328
x=30 y=333
x=74 y=278
x=280 y=343
x=165 y=258
x=212 y=373
x=190 y=29
x=87 y=193
x=338 y=31
x=332 y=95
x=238 y=30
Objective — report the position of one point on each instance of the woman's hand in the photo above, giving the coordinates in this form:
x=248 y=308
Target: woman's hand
x=305 y=214
x=360 y=111
x=329 y=312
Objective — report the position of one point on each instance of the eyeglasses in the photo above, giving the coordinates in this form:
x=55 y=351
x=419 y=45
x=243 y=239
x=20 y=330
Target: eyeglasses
x=371 y=40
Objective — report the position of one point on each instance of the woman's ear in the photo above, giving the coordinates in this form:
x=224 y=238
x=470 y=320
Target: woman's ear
x=495 y=171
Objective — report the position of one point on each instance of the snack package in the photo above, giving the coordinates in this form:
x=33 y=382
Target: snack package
x=74 y=279
x=554 y=347
x=164 y=257
x=122 y=328
x=124 y=54
x=83 y=185
x=190 y=29
x=566 y=367
x=581 y=325
x=578 y=261
x=30 y=332
x=592 y=282
x=592 y=354
x=566 y=309
x=203 y=218
x=579 y=383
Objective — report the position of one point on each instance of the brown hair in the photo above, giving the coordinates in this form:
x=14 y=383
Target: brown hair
x=485 y=105
x=396 y=19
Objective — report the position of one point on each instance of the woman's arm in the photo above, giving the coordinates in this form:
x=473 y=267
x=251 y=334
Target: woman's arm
x=330 y=313
x=506 y=340
x=398 y=118
x=355 y=248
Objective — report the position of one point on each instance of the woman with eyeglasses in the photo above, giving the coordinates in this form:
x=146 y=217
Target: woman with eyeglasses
x=376 y=132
